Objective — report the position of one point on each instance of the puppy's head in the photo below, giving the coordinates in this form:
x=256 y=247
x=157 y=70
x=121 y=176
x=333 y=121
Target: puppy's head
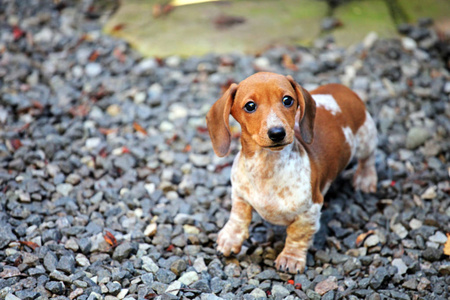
x=265 y=105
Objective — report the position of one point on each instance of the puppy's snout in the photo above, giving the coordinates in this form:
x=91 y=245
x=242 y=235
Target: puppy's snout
x=276 y=134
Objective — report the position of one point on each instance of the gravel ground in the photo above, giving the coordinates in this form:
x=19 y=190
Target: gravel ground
x=109 y=188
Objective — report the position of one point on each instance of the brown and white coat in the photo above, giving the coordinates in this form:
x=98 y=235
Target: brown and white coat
x=294 y=144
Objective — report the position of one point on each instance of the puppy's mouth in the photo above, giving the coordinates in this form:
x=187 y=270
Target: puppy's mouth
x=279 y=146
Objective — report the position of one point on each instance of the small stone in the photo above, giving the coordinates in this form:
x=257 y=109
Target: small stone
x=82 y=260
x=50 y=261
x=66 y=264
x=262 y=63
x=75 y=293
x=258 y=294
x=150 y=230
x=114 y=287
x=201 y=285
x=430 y=193
x=415 y=224
x=123 y=251
x=149 y=265
x=400 y=230
x=93 y=69
x=188 y=278
x=189 y=229
x=147 y=278
x=372 y=241
x=424 y=284
x=438 y=237
x=199 y=265
x=174 y=288
x=64 y=189
x=370 y=39
x=113 y=110
x=379 y=278
x=432 y=254
x=326 y=285
x=351 y=264
x=10 y=296
x=312 y=295
x=165 y=276
x=410 y=284
x=279 y=291
x=416 y=137
x=268 y=274
x=92 y=143
x=400 y=264
x=409 y=44
x=444 y=269
x=56 y=287
x=178 y=266
x=57 y=275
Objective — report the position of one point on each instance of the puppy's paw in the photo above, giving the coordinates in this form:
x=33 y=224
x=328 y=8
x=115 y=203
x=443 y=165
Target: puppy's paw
x=291 y=262
x=365 y=179
x=230 y=239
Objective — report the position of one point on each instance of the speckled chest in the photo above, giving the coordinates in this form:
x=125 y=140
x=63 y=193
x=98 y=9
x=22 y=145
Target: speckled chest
x=276 y=184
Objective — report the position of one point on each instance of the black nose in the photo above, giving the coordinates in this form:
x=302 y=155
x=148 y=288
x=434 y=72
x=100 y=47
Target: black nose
x=276 y=134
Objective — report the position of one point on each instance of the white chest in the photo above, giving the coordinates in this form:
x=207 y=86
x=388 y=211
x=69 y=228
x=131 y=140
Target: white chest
x=276 y=184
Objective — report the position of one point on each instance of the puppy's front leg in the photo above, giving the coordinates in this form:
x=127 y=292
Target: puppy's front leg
x=235 y=232
x=300 y=235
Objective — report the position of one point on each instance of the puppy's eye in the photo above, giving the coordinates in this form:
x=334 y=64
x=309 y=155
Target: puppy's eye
x=250 y=106
x=288 y=101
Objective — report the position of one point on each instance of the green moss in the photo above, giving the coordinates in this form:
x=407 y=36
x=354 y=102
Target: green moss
x=190 y=30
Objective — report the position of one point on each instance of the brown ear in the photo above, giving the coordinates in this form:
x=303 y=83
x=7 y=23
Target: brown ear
x=217 y=120
x=307 y=109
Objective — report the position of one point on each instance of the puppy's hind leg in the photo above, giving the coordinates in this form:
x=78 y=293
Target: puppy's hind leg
x=365 y=177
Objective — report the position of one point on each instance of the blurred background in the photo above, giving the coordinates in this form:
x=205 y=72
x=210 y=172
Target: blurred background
x=187 y=27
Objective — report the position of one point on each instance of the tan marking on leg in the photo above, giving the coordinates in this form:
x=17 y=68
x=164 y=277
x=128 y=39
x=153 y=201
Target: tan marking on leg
x=299 y=237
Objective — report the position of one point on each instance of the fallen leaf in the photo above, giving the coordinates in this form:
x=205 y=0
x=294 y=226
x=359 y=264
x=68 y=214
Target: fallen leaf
x=29 y=244
x=225 y=21
x=119 y=54
x=187 y=148
x=79 y=111
x=94 y=55
x=360 y=239
x=151 y=296
x=110 y=239
x=18 y=261
x=447 y=245
x=103 y=152
x=201 y=129
x=290 y=281
x=107 y=131
x=139 y=128
x=125 y=150
x=298 y=286
x=170 y=248
x=118 y=27
x=16 y=143
x=288 y=63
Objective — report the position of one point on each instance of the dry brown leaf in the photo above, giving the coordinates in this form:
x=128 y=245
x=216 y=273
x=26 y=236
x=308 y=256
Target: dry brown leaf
x=360 y=239
x=110 y=239
x=289 y=63
x=447 y=245
x=29 y=244
x=139 y=128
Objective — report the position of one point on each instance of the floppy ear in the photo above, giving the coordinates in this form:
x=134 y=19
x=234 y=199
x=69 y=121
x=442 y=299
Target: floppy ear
x=217 y=120
x=307 y=109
